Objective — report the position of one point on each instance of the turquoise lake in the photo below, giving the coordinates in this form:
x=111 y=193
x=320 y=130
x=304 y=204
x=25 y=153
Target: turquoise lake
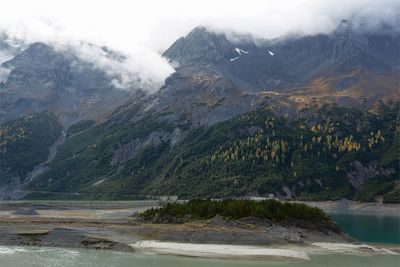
x=370 y=228
x=57 y=257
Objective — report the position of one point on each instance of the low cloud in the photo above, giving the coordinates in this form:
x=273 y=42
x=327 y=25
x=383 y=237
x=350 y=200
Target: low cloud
x=142 y=30
x=5 y=56
x=128 y=71
x=4 y=73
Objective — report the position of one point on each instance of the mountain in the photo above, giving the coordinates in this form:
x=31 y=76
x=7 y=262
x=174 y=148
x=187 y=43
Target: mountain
x=42 y=78
x=327 y=153
x=24 y=144
x=242 y=73
x=313 y=117
x=287 y=62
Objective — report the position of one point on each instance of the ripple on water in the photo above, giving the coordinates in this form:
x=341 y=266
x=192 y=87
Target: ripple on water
x=59 y=257
x=11 y=250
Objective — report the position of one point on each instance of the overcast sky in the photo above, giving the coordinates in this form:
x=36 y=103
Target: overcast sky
x=142 y=29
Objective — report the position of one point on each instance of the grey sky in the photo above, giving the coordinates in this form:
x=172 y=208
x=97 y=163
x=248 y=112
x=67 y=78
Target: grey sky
x=142 y=29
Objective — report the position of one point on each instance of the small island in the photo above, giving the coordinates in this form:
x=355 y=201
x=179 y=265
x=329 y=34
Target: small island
x=239 y=223
x=244 y=222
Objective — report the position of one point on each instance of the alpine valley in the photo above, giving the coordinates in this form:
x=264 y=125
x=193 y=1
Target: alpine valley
x=301 y=117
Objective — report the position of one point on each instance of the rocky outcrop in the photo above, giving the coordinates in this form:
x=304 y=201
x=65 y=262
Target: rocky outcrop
x=44 y=78
x=131 y=149
x=362 y=173
x=247 y=231
x=200 y=45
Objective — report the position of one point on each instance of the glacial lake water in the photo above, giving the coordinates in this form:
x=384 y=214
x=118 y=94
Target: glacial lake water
x=377 y=228
x=57 y=257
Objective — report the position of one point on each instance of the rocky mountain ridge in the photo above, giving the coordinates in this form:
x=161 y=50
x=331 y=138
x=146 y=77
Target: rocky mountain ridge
x=42 y=78
x=136 y=144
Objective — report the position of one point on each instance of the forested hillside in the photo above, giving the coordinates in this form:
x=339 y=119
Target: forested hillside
x=326 y=153
x=25 y=143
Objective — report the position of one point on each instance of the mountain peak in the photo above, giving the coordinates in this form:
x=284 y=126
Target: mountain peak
x=199 y=45
x=345 y=29
x=199 y=31
x=344 y=26
x=36 y=54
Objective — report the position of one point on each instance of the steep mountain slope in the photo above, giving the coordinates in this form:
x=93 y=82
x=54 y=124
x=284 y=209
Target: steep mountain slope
x=40 y=79
x=324 y=154
x=312 y=117
x=24 y=144
x=290 y=63
x=101 y=151
x=43 y=78
x=218 y=78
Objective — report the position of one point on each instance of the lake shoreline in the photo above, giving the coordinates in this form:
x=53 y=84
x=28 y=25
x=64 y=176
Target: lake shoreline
x=114 y=227
x=342 y=206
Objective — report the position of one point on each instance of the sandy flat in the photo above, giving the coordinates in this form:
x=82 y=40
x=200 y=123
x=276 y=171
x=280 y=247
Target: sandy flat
x=218 y=251
x=256 y=252
x=352 y=248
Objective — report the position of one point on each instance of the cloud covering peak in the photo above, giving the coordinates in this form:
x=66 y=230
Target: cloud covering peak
x=142 y=30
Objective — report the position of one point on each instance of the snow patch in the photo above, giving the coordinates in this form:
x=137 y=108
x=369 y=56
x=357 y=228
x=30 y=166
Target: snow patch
x=98 y=182
x=352 y=248
x=4 y=72
x=240 y=51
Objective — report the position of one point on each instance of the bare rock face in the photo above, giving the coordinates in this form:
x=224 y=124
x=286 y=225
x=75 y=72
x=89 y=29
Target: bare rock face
x=131 y=149
x=43 y=78
x=280 y=64
x=200 y=45
x=362 y=173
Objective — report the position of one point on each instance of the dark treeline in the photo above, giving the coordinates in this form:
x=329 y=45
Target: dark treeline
x=237 y=209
